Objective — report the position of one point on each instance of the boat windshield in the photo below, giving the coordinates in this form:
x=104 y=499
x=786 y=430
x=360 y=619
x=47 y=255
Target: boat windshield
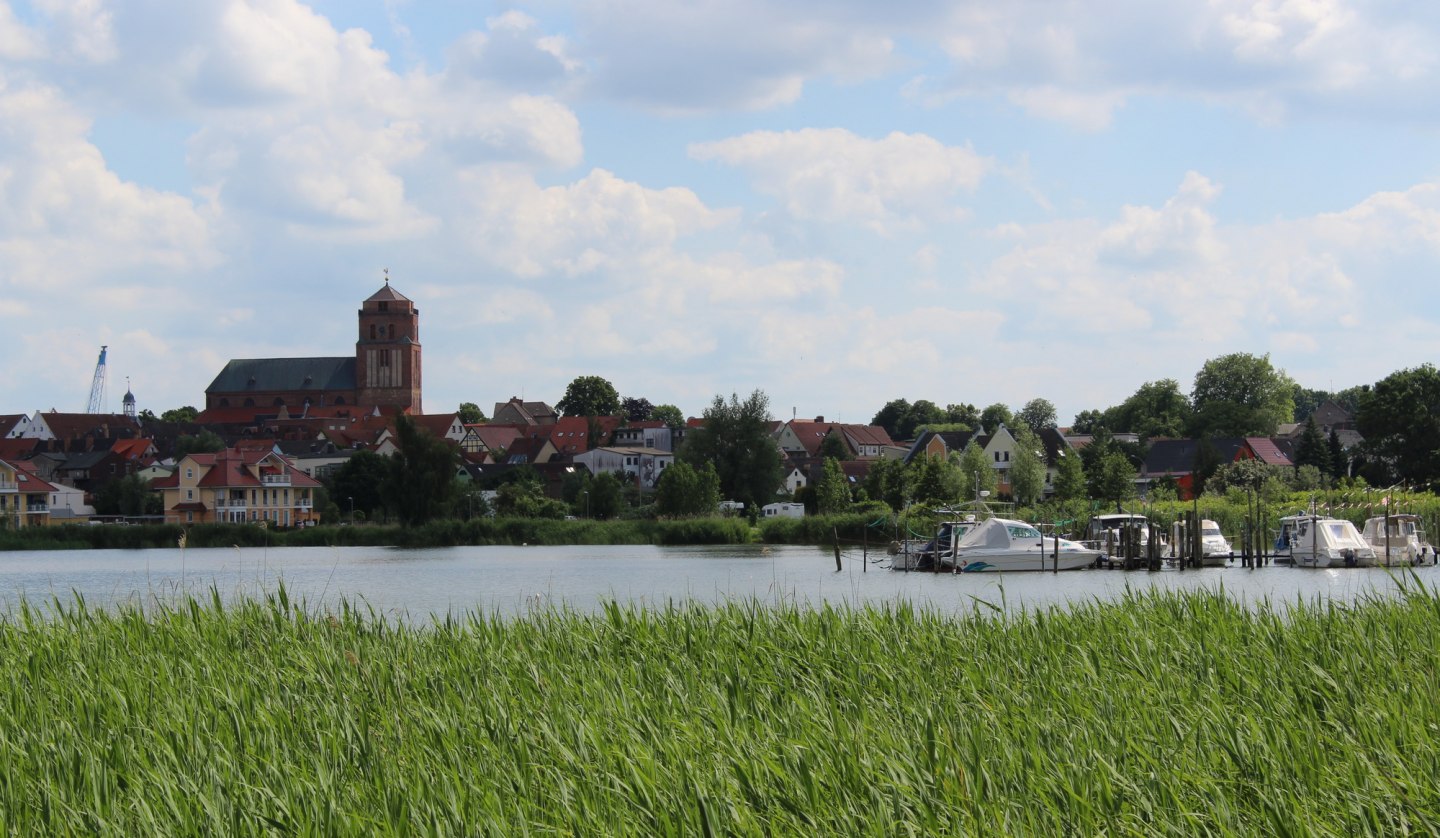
x=1212 y=529
x=1021 y=531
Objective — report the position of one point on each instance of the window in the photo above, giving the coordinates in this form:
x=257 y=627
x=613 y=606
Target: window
x=372 y=331
x=189 y=474
x=189 y=494
x=384 y=306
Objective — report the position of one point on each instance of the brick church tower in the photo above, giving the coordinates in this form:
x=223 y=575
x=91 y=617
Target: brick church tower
x=387 y=353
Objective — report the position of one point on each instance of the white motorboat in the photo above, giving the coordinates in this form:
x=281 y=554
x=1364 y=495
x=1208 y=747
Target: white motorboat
x=1215 y=549
x=923 y=554
x=1315 y=540
x=1124 y=538
x=1398 y=539
x=1001 y=544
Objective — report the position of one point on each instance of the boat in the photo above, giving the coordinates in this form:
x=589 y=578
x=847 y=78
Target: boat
x=1005 y=544
x=1315 y=540
x=1215 y=549
x=1398 y=539
x=930 y=553
x=1124 y=539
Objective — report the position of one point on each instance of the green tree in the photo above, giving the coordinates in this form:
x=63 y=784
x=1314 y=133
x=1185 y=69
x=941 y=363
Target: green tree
x=670 y=415
x=1157 y=409
x=1027 y=467
x=422 y=480
x=833 y=445
x=180 y=414
x=686 y=491
x=606 y=496
x=357 y=484
x=1207 y=461
x=470 y=413
x=205 y=442
x=524 y=497
x=147 y=416
x=1312 y=449
x=1339 y=462
x=1116 y=479
x=976 y=473
x=936 y=480
x=1087 y=421
x=129 y=495
x=892 y=416
x=922 y=415
x=1241 y=395
x=636 y=409
x=1037 y=414
x=996 y=415
x=589 y=395
x=1069 y=477
x=888 y=481
x=1400 y=420
x=832 y=490
x=735 y=438
x=962 y=414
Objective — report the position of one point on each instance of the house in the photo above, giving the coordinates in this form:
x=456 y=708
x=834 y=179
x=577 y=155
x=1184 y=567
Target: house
x=643 y=466
x=24 y=497
x=783 y=510
x=803 y=437
x=488 y=439
x=1175 y=458
x=239 y=485
x=531 y=451
x=648 y=434
x=81 y=427
x=14 y=426
x=517 y=411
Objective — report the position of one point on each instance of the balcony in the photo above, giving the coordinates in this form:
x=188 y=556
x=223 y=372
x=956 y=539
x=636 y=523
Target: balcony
x=37 y=508
x=233 y=503
x=275 y=479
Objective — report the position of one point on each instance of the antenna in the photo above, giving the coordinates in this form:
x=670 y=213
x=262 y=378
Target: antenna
x=97 y=385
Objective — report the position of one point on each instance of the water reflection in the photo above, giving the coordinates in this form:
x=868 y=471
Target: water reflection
x=420 y=584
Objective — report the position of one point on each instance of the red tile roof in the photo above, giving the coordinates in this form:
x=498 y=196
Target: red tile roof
x=1267 y=452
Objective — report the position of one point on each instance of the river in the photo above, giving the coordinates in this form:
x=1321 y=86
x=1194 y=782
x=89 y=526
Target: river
x=421 y=584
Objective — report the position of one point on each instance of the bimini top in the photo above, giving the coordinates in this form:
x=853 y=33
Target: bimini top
x=997 y=533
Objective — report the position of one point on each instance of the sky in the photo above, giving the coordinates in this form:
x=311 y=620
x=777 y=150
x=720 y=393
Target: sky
x=838 y=203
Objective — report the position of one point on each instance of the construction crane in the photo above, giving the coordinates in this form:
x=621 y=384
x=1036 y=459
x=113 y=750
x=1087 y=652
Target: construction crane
x=97 y=386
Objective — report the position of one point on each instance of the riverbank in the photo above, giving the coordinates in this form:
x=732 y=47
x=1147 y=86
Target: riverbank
x=1160 y=714
x=453 y=533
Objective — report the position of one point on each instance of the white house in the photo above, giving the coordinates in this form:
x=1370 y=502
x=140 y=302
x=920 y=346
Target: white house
x=643 y=464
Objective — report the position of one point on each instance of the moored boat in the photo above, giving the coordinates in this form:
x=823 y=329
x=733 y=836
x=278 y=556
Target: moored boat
x=1005 y=544
x=1398 y=539
x=1315 y=540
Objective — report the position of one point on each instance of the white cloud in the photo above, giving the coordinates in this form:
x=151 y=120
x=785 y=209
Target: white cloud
x=18 y=42
x=835 y=176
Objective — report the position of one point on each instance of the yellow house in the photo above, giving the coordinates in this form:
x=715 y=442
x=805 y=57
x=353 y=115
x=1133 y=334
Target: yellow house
x=239 y=486
x=24 y=496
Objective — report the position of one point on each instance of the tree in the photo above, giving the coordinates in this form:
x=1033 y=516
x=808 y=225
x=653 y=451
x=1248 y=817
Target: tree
x=1087 y=421
x=1339 y=463
x=962 y=414
x=1207 y=462
x=1157 y=409
x=684 y=490
x=147 y=416
x=1027 y=466
x=976 y=473
x=470 y=413
x=636 y=409
x=128 y=495
x=1116 y=481
x=205 y=442
x=735 y=438
x=996 y=415
x=422 y=482
x=1038 y=414
x=357 y=484
x=606 y=496
x=833 y=445
x=1400 y=420
x=589 y=395
x=922 y=415
x=891 y=416
x=1069 y=477
x=936 y=480
x=180 y=414
x=888 y=481
x=523 y=497
x=670 y=415
x=1241 y=395
x=1312 y=449
x=832 y=490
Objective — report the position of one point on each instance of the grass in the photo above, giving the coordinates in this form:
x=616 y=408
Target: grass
x=1164 y=713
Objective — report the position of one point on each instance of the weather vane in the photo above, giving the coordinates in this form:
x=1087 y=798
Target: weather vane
x=387 y=275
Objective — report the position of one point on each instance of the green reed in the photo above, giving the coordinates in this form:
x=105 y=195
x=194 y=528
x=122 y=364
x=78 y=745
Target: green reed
x=1164 y=713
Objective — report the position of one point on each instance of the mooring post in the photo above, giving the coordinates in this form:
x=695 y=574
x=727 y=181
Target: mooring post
x=836 y=532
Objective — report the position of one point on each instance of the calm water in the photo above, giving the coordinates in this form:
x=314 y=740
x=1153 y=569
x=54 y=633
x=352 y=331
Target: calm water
x=419 y=584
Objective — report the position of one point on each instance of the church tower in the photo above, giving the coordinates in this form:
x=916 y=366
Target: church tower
x=387 y=353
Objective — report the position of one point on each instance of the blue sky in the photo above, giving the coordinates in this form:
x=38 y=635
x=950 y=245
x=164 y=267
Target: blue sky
x=838 y=203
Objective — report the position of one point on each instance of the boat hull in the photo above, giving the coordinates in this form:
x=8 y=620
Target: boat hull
x=981 y=562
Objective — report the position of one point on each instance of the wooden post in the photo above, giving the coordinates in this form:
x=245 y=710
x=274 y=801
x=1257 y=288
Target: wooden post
x=1057 y=550
x=836 y=532
x=865 y=550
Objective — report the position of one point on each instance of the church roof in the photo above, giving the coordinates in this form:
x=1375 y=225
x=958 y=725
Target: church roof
x=387 y=294
x=268 y=375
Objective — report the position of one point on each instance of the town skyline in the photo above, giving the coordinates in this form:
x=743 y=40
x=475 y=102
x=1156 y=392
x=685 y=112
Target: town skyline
x=839 y=205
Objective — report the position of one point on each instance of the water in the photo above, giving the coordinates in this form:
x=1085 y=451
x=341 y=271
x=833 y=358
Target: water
x=423 y=584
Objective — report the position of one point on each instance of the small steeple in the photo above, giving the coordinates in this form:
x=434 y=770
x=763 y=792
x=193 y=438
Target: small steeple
x=129 y=401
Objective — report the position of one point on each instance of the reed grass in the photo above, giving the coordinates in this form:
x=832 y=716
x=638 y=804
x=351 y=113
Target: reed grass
x=1161 y=714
